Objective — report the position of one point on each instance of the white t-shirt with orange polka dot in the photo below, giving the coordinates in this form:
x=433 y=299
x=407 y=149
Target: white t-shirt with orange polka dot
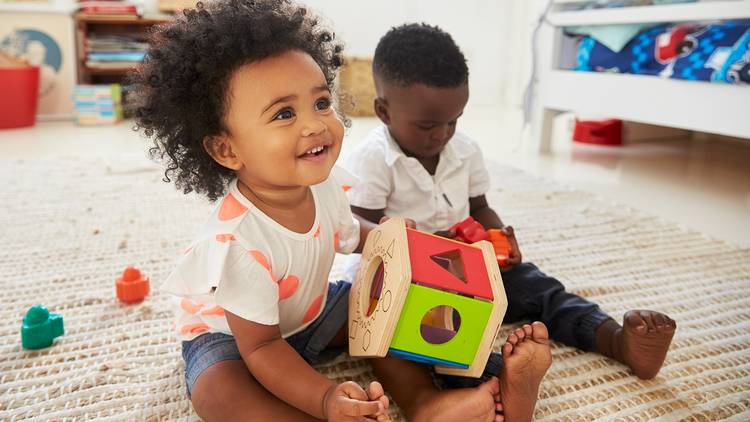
x=247 y=263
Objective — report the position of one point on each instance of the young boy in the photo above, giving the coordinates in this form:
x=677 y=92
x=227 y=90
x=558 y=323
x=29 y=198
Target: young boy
x=416 y=164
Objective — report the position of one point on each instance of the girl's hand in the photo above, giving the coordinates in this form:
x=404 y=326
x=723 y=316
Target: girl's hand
x=375 y=392
x=515 y=253
x=409 y=222
x=349 y=402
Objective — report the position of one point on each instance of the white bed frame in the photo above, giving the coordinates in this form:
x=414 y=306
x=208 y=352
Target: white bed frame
x=692 y=105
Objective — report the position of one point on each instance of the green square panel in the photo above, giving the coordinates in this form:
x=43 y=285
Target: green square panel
x=463 y=346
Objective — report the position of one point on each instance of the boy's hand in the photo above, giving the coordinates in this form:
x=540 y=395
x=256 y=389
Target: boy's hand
x=409 y=222
x=515 y=253
x=349 y=402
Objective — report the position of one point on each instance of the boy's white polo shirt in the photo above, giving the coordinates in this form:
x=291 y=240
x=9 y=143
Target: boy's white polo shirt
x=400 y=185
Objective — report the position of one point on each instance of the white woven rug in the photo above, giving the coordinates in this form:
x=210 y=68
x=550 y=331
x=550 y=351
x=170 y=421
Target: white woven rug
x=68 y=227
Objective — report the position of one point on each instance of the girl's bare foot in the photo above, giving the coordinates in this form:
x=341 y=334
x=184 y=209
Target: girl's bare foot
x=641 y=343
x=478 y=404
x=526 y=358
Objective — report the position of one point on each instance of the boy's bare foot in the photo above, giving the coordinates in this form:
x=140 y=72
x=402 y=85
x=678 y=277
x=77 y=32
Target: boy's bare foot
x=478 y=404
x=526 y=358
x=375 y=392
x=641 y=343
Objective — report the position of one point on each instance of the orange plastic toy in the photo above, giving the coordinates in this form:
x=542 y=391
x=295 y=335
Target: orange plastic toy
x=471 y=231
x=501 y=244
x=132 y=286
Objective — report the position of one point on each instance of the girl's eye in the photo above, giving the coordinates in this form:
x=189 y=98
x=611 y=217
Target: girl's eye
x=323 y=104
x=284 y=115
x=426 y=127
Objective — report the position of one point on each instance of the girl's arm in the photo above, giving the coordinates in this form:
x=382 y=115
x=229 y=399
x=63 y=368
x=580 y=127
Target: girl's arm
x=366 y=225
x=373 y=216
x=367 y=220
x=283 y=372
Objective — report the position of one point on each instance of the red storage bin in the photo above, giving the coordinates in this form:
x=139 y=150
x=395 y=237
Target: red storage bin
x=19 y=93
x=601 y=132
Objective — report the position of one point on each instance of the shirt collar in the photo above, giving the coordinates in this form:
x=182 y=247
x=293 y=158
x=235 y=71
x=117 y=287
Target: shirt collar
x=392 y=151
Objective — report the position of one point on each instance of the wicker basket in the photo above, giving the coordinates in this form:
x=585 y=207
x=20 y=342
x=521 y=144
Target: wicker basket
x=356 y=87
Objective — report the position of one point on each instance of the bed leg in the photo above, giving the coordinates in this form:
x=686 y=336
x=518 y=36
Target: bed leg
x=541 y=129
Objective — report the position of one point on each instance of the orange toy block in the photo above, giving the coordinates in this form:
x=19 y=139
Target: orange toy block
x=132 y=286
x=501 y=244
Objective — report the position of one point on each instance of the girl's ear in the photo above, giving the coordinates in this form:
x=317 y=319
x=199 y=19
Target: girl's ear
x=220 y=149
x=381 y=110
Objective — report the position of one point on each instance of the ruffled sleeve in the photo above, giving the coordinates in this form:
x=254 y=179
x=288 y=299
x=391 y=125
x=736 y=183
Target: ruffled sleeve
x=240 y=279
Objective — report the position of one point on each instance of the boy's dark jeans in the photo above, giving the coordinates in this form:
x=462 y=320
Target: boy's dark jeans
x=535 y=296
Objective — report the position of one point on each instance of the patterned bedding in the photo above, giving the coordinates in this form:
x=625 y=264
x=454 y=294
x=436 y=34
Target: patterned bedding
x=717 y=52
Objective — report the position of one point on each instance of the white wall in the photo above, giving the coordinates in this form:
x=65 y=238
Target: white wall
x=478 y=27
x=519 y=20
x=495 y=36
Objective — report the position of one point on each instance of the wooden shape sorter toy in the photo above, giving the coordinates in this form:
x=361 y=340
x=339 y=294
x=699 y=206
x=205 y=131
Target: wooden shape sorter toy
x=426 y=298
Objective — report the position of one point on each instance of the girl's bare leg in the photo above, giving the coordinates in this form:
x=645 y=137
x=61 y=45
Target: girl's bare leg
x=227 y=391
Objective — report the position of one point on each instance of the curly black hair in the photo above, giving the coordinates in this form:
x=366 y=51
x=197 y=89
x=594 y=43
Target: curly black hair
x=181 y=87
x=419 y=53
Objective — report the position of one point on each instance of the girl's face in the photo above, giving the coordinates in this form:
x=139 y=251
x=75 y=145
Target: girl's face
x=283 y=130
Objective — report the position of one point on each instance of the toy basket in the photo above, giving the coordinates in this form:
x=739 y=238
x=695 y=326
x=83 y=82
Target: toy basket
x=19 y=86
x=599 y=132
x=357 y=88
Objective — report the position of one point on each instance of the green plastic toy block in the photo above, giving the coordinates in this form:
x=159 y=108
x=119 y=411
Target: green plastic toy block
x=463 y=346
x=40 y=327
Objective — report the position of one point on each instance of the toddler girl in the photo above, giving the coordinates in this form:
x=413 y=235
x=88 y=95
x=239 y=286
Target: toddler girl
x=237 y=96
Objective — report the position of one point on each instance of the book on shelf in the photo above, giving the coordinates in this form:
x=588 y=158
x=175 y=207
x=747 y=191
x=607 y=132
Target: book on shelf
x=98 y=104
x=96 y=10
x=114 y=17
x=122 y=42
x=111 y=65
x=111 y=7
x=119 y=56
x=115 y=51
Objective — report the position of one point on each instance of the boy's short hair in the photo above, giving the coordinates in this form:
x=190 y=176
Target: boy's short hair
x=419 y=53
x=181 y=88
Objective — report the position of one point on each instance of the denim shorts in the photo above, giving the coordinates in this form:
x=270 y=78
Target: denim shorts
x=311 y=343
x=211 y=348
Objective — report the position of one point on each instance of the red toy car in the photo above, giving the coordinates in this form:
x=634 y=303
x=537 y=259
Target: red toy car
x=676 y=43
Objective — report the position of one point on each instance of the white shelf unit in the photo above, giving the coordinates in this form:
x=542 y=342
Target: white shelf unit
x=692 y=105
x=706 y=10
